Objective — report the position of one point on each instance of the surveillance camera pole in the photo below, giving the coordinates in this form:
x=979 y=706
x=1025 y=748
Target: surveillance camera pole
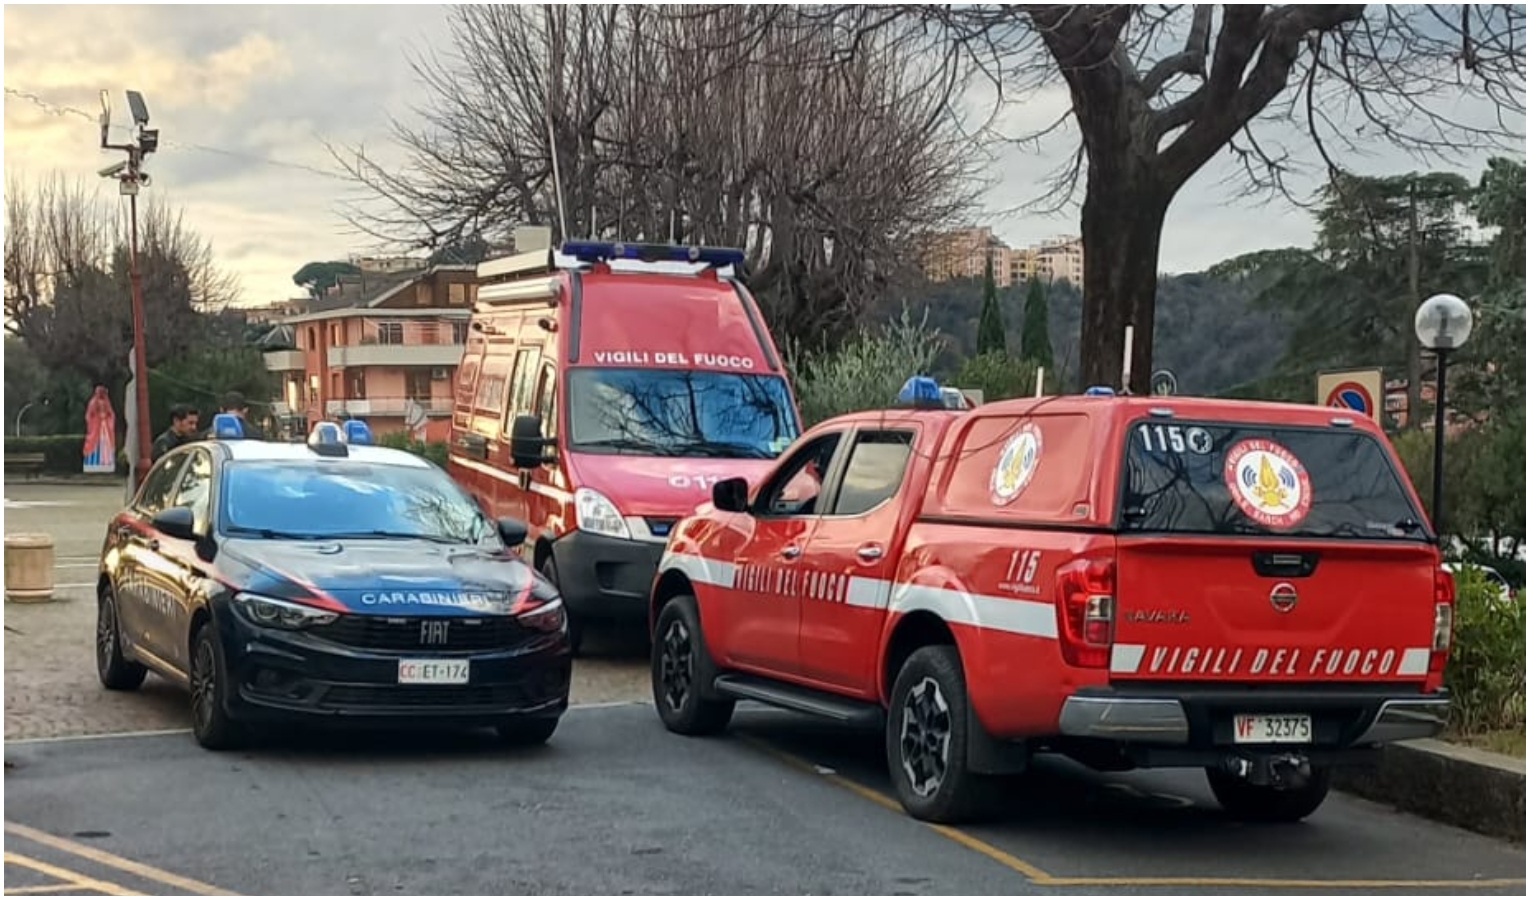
x=131 y=178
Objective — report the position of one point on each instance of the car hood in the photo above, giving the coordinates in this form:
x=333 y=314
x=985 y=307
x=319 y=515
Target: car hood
x=660 y=487
x=388 y=577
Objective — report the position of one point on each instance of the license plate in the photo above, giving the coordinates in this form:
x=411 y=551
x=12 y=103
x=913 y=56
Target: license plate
x=432 y=671
x=1272 y=729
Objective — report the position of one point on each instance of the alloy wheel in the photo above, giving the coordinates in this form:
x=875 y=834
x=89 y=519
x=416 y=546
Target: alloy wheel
x=204 y=683
x=925 y=737
x=676 y=665
x=106 y=632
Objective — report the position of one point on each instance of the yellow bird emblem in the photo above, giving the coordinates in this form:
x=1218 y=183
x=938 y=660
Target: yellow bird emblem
x=1269 y=490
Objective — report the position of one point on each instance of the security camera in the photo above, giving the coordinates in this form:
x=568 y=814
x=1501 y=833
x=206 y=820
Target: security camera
x=112 y=171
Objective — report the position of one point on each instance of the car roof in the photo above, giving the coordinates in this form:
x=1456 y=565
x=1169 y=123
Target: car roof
x=272 y=451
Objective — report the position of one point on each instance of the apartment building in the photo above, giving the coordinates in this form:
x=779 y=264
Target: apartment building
x=388 y=355
x=964 y=252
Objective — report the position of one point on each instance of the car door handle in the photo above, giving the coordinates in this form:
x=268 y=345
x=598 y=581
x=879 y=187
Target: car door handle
x=870 y=552
x=792 y=552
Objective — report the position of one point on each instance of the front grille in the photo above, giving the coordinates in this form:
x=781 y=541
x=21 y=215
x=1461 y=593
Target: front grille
x=365 y=696
x=423 y=634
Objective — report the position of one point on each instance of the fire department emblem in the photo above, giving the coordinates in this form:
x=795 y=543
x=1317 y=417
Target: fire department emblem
x=1268 y=483
x=1017 y=463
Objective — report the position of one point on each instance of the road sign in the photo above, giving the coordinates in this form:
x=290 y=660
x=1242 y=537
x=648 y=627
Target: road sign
x=1163 y=383
x=1355 y=390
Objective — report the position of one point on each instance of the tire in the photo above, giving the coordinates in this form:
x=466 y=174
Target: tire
x=1261 y=803
x=527 y=732
x=927 y=739
x=549 y=571
x=116 y=671
x=681 y=669
x=211 y=724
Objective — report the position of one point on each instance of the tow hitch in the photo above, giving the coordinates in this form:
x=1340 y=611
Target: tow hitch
x=1287 y=771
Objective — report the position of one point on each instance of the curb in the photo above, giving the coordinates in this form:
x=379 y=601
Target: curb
x=1461 y=786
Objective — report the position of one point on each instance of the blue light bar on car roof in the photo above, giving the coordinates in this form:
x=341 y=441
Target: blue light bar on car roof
x=1099 y=391
x=357 y=432
x=604 y=251
x=226 y=426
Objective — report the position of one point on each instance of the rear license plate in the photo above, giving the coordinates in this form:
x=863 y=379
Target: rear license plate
x=432 y=671
x=1272 y=729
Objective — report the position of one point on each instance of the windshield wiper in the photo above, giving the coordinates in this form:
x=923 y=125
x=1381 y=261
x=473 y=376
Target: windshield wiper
x=400 y=535
x=632 y=444
x=274 y=534
x=725 y=449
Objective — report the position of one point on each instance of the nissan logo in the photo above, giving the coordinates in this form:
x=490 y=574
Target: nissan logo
x=1283 y=597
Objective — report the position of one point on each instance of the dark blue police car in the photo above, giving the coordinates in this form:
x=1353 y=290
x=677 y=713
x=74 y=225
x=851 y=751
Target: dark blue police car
x=329 y=581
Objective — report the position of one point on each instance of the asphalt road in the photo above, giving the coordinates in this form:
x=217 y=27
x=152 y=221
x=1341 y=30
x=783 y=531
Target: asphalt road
x=617 y=805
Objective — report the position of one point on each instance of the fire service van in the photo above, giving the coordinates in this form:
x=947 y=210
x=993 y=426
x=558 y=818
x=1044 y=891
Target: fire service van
x=1132 y=582
x=599 y=398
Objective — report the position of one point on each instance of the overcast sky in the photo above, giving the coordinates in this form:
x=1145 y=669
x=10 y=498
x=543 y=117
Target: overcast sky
x=245 y=96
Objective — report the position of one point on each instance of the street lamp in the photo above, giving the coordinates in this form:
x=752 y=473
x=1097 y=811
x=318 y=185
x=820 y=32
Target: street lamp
x=1442 y=323
x=131 y=178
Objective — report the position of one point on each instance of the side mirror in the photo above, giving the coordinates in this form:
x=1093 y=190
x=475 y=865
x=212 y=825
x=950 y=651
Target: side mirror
x=526 y=442
x=731 y=495
x=512 y=532
x=178 y=522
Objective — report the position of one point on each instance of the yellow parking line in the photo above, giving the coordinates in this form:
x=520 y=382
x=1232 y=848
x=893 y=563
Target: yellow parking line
x=75 y=879
x=43 y=889
x=1040 y=877
x=142 y=870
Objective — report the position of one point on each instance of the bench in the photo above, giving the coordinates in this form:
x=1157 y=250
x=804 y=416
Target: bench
x=23 y=463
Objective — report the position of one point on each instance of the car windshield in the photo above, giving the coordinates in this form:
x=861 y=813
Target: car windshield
x=1210 y=478
x=345 y=498
x=663 y=412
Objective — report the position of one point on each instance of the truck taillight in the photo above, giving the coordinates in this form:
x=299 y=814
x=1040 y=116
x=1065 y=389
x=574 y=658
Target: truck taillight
x=1444 y=620
x=1086 y=612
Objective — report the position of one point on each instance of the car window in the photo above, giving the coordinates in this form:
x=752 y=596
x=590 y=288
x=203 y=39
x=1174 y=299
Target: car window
x=1216 y=478
x=795 y=488
x=547 y=401
x=335 y=498
x=877 y=462
x=194 y=487
x=160 y=485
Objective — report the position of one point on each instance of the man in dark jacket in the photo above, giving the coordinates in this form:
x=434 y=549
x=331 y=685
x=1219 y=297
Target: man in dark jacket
x=233 y=402
x=182 y=430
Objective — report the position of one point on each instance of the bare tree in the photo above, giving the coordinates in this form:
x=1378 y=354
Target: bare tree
x=1158 y=90
x=820 y=172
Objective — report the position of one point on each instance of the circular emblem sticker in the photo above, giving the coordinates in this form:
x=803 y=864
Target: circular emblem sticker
x=1268 y=483
x=1017 y=463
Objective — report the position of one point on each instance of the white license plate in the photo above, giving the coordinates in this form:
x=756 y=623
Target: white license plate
x=432 y=671
x=1272 y=729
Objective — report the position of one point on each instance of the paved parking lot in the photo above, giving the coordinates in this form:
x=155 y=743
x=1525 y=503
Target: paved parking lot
x=613 y=805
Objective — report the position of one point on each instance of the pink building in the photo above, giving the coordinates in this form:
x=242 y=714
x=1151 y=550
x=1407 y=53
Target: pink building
x=389 y=356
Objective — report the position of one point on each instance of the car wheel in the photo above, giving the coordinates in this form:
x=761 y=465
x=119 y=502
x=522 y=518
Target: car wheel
x=527 y=732
x=575 y=627
x=927 y=738
x=210 y=722
x=116 y=671
x=682 y=670
x=1264 y=803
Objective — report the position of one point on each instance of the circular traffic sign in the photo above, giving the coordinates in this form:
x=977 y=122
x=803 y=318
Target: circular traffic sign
x=1353 y=396
x=1163 y=383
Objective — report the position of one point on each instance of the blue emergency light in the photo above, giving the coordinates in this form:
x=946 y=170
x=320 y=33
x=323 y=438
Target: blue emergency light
x=357 y=432
x=325 y=434
x=226 y=426
x=921 y=389
x=604 y=251
x=1099 y=390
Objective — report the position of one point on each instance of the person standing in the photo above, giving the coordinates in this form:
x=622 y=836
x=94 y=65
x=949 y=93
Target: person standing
x=233 y=402
x=182 y=430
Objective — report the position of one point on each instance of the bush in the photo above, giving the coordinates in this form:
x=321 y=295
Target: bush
x=1486 y=671
x=866 y=373
x=63 y=454
x=435 y=451
x=998 y=375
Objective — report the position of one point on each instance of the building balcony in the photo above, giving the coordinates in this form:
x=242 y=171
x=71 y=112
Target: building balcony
x=434 y=355
x=284 y=360
x=386 y=407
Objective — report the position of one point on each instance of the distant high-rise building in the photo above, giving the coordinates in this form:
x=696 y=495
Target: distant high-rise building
x=963 y=252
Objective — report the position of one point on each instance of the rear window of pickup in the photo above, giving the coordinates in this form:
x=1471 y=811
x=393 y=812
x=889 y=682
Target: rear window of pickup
x=1216 y=478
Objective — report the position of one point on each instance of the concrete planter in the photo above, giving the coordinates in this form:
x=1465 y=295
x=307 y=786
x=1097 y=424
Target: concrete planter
x=29 y=568
x=1462 y=786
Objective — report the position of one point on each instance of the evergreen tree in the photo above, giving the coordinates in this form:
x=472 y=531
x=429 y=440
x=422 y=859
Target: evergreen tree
x=990 y=333
x=1035 y=341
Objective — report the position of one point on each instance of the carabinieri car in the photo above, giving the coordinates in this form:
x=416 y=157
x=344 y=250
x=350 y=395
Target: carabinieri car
x=327 y=581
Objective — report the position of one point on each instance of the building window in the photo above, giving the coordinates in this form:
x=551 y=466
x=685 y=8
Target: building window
x=459 y=332
x=390 y=332
x=312 y=333
x=456 y=294
x=334 y=335
x=358 y=380
x=417 y=384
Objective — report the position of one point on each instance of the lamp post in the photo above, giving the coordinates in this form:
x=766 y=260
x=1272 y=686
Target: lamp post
x=131 y=177
x=1442 y=323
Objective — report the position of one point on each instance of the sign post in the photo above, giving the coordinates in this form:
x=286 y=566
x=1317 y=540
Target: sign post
x=1356 y=390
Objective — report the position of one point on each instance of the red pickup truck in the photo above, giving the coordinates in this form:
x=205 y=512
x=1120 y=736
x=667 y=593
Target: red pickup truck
x=1133 y=582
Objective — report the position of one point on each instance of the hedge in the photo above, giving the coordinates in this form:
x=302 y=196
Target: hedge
x=435 y=451
x=63 y=454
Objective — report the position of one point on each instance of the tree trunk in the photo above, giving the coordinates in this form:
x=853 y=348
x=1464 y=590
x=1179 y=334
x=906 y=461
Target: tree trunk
x=1122 y=225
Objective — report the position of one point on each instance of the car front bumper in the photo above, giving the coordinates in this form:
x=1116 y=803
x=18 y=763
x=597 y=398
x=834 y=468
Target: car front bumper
x=606 y=578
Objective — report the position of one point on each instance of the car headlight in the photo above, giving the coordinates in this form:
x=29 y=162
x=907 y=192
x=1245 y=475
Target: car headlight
x=547 y=616
x=595 y=513
x=273 y=613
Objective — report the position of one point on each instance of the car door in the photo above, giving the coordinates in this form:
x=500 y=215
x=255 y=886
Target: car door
x=178 y=569
x=138 y=595
x=850 y=563
x=769 y=579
